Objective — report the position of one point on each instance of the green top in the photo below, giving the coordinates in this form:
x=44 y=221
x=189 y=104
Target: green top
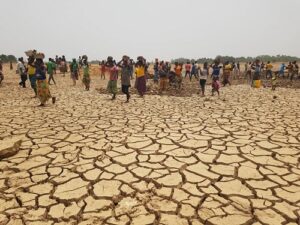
x=74 y=66
x=50 y=67
x=86 y=71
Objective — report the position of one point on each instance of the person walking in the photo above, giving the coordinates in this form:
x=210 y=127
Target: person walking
x=125 y=66
x=113 y=77
x=226 y=73
x=203 y=77
x=74 y=67
x=22 y=71
x=86 y=80
x=43 y=92
x=50 y=70
x=32 y=74
x=140 y=71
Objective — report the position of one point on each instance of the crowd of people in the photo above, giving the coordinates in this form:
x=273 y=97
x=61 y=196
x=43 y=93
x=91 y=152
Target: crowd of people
x=165 y=75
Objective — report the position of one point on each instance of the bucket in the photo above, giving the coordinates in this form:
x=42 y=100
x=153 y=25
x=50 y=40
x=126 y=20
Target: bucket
x=257 y=83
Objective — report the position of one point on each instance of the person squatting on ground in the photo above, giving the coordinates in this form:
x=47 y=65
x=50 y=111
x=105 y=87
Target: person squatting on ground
x=22 y=71
x=74 y=68
x=43 y=92
x=203 y=77
x=274 y=82
x=281 y=70
x=140 y=71
x=86 y=80
x=32 y=74
x=126 y=71
x=50 y=70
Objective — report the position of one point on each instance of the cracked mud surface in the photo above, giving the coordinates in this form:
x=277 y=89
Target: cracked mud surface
x=158 y=160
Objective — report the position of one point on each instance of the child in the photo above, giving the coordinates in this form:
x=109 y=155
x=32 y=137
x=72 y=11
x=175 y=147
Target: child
x=274 y=82
x=215 y=78
x=102 y=70
x=203 y=77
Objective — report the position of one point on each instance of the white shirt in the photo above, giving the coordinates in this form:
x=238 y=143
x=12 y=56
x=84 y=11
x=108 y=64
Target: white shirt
x=20 y=67
x=203 y=74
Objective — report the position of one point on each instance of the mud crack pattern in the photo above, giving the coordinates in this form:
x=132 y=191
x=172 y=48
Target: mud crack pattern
x=157 y=160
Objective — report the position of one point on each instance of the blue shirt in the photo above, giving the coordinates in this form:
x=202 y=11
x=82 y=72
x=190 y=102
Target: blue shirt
x=40 y=73
x=216 y=70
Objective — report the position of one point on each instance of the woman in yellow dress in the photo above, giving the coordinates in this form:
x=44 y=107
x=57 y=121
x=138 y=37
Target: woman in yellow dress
x=140 y=76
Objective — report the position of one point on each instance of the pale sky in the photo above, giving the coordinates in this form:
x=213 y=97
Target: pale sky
x=164 y=29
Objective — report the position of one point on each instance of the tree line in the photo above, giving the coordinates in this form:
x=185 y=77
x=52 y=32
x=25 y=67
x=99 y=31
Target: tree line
x=8 y=58
x=264 y=58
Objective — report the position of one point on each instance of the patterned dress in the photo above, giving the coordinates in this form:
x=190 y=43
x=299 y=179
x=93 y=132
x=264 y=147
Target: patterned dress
x=43 y=91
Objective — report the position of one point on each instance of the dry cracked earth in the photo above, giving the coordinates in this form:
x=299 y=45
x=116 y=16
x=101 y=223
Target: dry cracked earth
x=159 y=160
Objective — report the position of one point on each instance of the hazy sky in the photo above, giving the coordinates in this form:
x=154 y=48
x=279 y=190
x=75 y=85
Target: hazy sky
x=153 y=28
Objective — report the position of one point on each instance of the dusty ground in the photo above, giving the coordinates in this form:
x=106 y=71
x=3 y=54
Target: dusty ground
x=158 y=160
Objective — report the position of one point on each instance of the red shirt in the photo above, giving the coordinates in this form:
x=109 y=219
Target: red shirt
x=113 y=73
x=188 y=67
x=103 y=69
